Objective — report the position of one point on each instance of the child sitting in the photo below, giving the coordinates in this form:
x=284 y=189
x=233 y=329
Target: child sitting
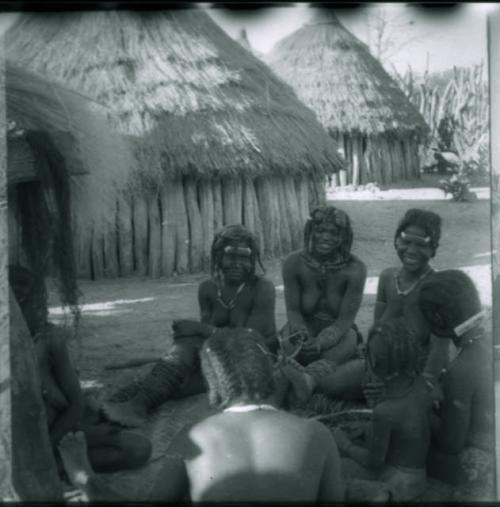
x=399 y=435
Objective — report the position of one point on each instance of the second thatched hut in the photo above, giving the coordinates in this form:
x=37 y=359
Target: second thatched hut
x=364 y=110
x=217 y=137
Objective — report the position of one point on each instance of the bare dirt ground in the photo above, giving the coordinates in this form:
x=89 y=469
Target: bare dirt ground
x=130 y=318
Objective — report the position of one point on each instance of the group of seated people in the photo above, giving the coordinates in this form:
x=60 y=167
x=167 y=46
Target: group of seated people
x=430 y=415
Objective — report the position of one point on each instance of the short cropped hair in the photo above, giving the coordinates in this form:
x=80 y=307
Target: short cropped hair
x=447 y=299
x=429 y=221
x=236 y=368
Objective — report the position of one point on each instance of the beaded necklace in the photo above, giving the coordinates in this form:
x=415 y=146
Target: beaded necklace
x=413 y=285
x=232 y=302
x=249 y=408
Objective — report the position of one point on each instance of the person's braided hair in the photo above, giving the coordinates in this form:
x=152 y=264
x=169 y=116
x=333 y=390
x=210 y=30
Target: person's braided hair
x=398 y=349
x=335 y=216
x=447 y=299
x=236 y=368
x=232 y=235
x=429 y=221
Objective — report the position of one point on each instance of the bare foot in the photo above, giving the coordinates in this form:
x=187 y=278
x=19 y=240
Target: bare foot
x=126 y=413
x=73 y=451
x=303 y=384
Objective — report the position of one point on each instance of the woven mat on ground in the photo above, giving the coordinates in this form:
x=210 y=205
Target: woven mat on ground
x=161 y=428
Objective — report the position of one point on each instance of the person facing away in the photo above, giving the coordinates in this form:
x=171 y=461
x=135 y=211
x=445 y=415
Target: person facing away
x=249 y=451
x=324 y=285
x=399 y=436
x=233 y=297
x=464 y=423
x=110 y=448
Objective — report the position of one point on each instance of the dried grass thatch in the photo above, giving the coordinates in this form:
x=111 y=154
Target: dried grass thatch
x=80 y=132
x=334 y=73
x=200 y=104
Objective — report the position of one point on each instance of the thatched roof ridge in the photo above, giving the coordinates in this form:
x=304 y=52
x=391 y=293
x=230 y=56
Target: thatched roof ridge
x=199 y=102
x=334 y=73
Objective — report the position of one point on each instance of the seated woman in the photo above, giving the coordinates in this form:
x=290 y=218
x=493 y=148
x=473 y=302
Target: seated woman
x=234 y=297
x=249 y=451
x=416 y=241
x=324 y=286
x=399 y=435
x=110 y=448
x=462 y=450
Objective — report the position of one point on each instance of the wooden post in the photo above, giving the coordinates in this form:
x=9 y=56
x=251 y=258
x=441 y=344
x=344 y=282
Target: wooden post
x=168 y=229
x=34 y=467
x=97 y=252
x=251 y=213
x=125 y=236
x=285 y=227
x=231 y=199
x=293 y=211
x=6 y=489
x=218 y=207
x=110 y=240
x=207 y=220
x=195 y=227
x=140 y=214
x=82 y=233
x=154 y=238
x=179 y=212
x=269 y=212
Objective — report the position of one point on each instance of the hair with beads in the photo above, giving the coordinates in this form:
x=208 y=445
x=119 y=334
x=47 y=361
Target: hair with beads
x=337 y=217
x=429 y=221
x=447 y=299
x=236 y=368
x=234 y=235
x=393 y=349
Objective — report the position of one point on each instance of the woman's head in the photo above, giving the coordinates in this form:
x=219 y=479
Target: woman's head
x=236 y=368
x=235 y=253
x=417 y=238
x=446 y=300
x=328 y=232
x=392 y=349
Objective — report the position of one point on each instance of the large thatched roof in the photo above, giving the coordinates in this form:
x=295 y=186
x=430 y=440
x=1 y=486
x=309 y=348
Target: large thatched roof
x=334 y=73
x=200 y=103
x=77 y=130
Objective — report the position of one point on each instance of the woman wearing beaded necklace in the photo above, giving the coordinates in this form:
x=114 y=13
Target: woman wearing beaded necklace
x=462 y=449
x=234 y=297
x=324 y=285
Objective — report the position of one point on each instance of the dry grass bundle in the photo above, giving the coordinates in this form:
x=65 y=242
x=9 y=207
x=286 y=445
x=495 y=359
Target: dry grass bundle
x=83 y=136
x=334 y=73
x=196 y=102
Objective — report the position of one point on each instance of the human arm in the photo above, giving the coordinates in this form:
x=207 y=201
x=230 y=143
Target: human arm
x=172 y=481
x=331 y=484
x=349 y=307
x=381 y=301
x=374 y=456
x=450 y=434
x=292 y=289
x=67 y=380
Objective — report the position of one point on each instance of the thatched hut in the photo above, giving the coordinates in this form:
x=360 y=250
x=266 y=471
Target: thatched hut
x=362 y=107
x=217 y=137
x=51 y=147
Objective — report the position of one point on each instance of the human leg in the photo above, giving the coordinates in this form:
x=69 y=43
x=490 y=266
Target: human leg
x=73 y=451
x=345 y=381
x=111 y=449
x=345 y=350
x=162 y=383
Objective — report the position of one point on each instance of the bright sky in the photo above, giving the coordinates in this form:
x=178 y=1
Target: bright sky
x=451 y=36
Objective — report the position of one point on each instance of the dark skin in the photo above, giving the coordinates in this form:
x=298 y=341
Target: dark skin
x=267 y=456
x=400 y=431
x=415 y=255
x=254 y=306
x=340 y=297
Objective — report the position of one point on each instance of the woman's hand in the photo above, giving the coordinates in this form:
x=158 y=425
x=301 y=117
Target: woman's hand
x=328 y=337
x=310 y=350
